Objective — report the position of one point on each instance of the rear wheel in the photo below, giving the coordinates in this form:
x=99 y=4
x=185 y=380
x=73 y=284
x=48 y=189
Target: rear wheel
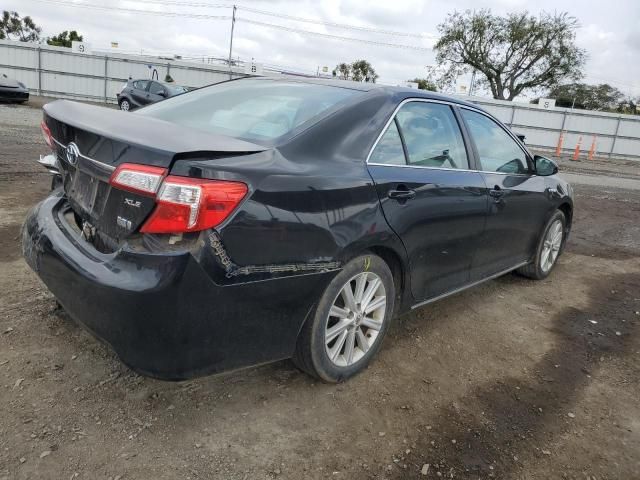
x=549 y=248
x=350 y=321
x=124 y=105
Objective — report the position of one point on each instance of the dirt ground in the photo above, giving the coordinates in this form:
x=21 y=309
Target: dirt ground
x=514 y=379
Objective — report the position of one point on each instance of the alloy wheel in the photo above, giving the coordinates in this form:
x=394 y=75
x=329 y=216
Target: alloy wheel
x=355 y=319
x=124 y=105
x=551 y=246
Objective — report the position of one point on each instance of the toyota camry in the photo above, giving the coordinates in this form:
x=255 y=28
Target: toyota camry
x=262 y=219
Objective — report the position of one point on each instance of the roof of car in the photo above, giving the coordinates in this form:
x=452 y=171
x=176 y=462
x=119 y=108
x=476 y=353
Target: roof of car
x=368 y=86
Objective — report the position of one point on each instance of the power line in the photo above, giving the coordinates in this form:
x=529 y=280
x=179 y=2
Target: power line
x=328 y=35
x=339 y=25
x=226 y=17
x=292 y=17
x=201 y=16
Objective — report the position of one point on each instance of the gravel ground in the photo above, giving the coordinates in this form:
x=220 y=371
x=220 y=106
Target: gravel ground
x=514 y=379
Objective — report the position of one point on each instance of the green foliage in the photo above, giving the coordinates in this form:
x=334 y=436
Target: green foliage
x=358 y=71
x=13 y=27
x=425 y=84
x=629 y=106
x=601 y=97
x=512 y=54
x=64 y=39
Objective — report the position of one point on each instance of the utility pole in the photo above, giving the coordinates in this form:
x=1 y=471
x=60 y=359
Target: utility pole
x=233 y=23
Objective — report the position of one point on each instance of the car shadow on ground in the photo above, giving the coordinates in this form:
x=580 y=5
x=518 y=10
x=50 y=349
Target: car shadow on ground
x=496 y=426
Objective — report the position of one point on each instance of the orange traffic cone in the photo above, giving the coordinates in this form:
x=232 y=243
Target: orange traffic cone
x=560 y=142
x=576 y=154
x=592 y=150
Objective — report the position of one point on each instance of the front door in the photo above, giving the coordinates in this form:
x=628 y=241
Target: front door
x=518 y=204
x=431 y=198
x=157 y=92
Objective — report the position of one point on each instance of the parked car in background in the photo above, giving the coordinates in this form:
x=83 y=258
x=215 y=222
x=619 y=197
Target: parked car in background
x=141 y=92
x=11 y=90
x=261 y=219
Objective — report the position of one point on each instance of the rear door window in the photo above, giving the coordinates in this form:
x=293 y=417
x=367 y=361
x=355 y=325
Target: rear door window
x=141 y=84
x=432 y=135
x=389 y=149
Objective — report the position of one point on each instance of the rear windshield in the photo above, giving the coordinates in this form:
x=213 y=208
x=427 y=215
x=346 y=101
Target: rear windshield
x=251 y=109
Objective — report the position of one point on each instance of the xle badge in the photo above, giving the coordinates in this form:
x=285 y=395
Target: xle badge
x=132 y=203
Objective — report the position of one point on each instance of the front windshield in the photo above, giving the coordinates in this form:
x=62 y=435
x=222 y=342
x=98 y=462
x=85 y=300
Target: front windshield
x=250 y=109
x=176 y=88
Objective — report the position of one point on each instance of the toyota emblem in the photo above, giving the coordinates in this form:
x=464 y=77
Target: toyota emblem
x=72 y=153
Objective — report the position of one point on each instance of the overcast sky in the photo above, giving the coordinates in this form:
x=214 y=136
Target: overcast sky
x=610 y=31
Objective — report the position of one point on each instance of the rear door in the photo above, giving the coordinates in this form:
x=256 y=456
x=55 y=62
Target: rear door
x=139 y=91
x=430 y=194
x=518 y=204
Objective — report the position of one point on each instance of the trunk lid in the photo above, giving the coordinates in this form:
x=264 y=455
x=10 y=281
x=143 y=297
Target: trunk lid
x=9 y=83
x=90 y=143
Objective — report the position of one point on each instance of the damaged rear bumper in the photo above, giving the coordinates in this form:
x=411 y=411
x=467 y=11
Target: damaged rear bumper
x=166 y=315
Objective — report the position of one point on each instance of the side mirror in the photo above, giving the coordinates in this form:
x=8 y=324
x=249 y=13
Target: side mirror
x=521 y=137
x=162 y=93
x=545 y=166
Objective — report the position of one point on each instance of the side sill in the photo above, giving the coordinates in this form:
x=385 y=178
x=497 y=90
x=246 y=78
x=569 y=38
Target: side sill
x=470 y=285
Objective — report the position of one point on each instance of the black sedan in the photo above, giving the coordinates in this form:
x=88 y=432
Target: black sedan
x=11 y=90
x=260 y=219
x=138 y=93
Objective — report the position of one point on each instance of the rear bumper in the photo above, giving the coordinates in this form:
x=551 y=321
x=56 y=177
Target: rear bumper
x=14 y=95
x=162 y=313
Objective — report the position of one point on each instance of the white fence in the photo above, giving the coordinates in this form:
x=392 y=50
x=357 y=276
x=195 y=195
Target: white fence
x=58 y=72
x=616 y=135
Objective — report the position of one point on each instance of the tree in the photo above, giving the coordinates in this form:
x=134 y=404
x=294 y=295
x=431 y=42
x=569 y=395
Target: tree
x=629 y=106
x=342 y=71
x=425 y=84
x=64 y=39
x=12 y=27
x=512 y=54
x=358 y=71
x=601 y=97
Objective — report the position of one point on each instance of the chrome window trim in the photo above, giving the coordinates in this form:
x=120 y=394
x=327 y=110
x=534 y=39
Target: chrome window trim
x=393 y=115
x=374 y=164
x=452 y=104
x=106 y=166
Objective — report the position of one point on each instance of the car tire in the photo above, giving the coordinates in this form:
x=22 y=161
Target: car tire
x=334 y=357
x=549 y=248
x=124 y=104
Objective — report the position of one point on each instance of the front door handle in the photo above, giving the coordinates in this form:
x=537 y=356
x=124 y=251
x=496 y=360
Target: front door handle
x=401 y=194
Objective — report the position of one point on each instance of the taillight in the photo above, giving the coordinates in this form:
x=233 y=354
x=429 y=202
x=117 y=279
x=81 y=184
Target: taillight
x=46 y=133
x=141 y=179
x=191 y=204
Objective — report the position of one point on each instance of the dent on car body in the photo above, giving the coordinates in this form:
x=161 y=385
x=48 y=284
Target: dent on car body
x=233 y=270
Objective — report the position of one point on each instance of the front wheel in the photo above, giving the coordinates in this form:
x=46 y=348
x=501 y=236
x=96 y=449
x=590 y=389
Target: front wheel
x=350 y=321
x=549 y=248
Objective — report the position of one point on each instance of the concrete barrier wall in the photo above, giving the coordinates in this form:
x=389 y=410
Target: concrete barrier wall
x=58 y=72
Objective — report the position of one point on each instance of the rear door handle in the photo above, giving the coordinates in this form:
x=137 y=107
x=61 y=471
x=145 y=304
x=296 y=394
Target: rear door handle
x=401 y=194
x=497 y=193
